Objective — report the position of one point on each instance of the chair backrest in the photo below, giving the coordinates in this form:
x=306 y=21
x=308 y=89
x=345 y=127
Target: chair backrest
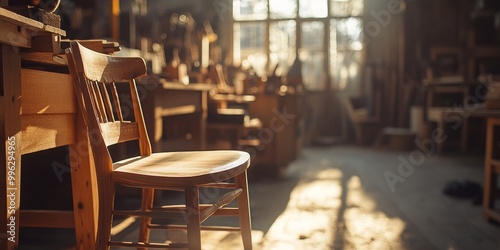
x=96 y=77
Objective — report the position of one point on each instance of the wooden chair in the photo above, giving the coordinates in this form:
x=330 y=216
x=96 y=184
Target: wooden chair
x=95 y=76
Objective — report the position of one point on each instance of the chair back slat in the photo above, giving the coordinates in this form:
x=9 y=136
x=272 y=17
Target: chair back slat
x=116 y=101
x=107 y=102
x=99 y=102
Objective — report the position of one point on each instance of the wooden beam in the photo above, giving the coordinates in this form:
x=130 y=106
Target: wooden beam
x=47 y=218
x=14 y=34
x=41 y=132
x=46 y=92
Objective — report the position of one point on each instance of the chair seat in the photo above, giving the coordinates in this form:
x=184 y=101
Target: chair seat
x=180 y=169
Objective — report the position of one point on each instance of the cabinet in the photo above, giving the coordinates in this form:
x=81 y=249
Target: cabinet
x=281 y=134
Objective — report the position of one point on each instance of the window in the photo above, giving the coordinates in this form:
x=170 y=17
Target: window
x=250 y=9
x=346 y=44
x=326 y=35
x=312 y=54
x=313 y=8
x=282 y=40
x=283 y=8
x=249 y=45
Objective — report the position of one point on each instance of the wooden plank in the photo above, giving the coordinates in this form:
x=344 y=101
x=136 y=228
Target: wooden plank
x=98 y=45
x=47 y=218
x=45 y=42
x=37 y=27
x=40 y=132
x=14 y=35
x=45 y=58
x=37 y=14
x=181 y=110
x=11 y=17
x=10 y=186
x=46 y=92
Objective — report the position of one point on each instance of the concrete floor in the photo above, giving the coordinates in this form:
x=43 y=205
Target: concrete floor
x=339 y=198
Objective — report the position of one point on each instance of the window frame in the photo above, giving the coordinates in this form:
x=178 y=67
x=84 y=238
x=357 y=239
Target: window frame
x=329 y=83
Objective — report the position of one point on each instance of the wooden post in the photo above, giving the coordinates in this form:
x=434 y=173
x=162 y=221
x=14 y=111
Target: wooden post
x=84 y=184
x=115 y=20
x=10 y=113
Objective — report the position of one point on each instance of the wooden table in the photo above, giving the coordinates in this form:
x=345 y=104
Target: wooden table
x=38 y=111
x=228 y=116
x=436 y=90
x=162 y=99
x=491 y=162
x=281 y=133
x=491 y=158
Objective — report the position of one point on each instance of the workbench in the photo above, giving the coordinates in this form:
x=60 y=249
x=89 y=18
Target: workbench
x=491 y=157
x=38 y=111
x=491 y=162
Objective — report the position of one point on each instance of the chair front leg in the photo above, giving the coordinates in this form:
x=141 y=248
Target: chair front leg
x=192 y=196
x=147 y=204
x=244 y=211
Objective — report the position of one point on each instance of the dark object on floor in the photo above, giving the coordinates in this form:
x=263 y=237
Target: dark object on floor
x=477 y=200
x=465 y=189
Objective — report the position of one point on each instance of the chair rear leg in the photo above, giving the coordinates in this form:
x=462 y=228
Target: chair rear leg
x=106 y=206
x=244 y=211
x=192 y=196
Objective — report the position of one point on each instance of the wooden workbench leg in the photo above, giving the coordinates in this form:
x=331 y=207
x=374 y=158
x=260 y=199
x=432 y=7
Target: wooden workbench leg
x=157 y=130
x=463 y=135
x=203 y=120
x=84 y=186
x=441 y=125
x=489 y=183
x=10 y=113
x=489 y=175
